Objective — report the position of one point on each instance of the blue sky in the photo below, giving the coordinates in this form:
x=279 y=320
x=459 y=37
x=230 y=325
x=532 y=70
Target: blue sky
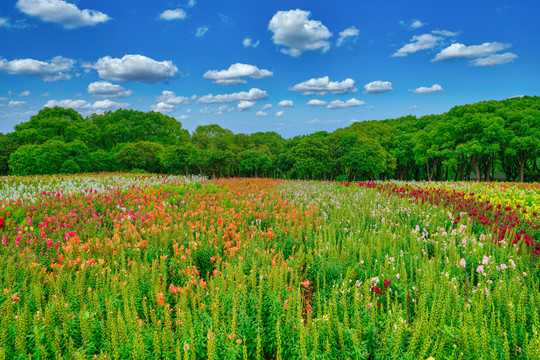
x=293 y=67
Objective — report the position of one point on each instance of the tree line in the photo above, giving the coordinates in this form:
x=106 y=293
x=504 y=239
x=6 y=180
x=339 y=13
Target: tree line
x=481 y=141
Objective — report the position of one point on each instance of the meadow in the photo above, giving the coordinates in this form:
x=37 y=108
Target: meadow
x=138 y=266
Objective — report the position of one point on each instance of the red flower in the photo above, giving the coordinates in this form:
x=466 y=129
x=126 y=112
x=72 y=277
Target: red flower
x=377 y=290
x=387 y=283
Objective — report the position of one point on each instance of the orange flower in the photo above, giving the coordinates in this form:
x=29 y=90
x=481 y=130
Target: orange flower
x=161 y=299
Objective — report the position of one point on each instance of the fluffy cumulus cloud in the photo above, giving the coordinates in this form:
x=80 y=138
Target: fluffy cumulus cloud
x=245 y=105
x=316 y=102
x=378 y=87
x=495 y=59
x=4 y=22
x=106 y=89
x=457 y=50
x=427 y=90
x=86 y=107
x=349 y=34
x=266 y=106
x=338 y=104
x=136 y=68
x=251 y=95
x=168 y=101
x=417 y=43
x=201 y=30
x=286 y=103
x=323 y=85
x=58 y=68
x=280 y=113
x=261 y=113
x=62 y=12
x=413 y=107
x=248 y=42
x=297 y=33
x=235 y=74
x=173 y=14
x=163 y=107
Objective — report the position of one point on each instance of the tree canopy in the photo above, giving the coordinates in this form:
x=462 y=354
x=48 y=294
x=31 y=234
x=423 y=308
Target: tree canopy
x=481 y=141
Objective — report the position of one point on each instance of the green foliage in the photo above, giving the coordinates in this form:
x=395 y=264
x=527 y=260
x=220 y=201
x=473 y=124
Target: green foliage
x=483 y=141
x=70 y=167
x=141 y=155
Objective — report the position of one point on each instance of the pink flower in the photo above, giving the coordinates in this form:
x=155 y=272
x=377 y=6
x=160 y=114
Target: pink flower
x=480 y=270
x=463 y=263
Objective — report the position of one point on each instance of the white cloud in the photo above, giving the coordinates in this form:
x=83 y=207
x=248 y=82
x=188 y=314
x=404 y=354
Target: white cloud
x=136 y=68
x=252 y=95
x=234 y=74
x=280 y=113
x=323 y=85
x=21 y=94
x=16 y=104
x=170 y=97
x=58 y=68
x=285 y=103
x=458 y=50
x=266 y=107
x=85 y=106
x=216 y=111
x=8 y=24
x=106 y=89
x=201 y=30
x=62 y=12
x=249 y=43
x=3 y=98
x=294 y=30
x=261 y=113
x=191 y=3
x=445 y=33
x=183 y=117
x=245 y=105
x=316 y=102
x=426 y=90
x=349 y=33
x=338 y=104
x=167 y=101
x=163 y=107
x=417 y=43
x=173 y=14
x=495 y=59
x=378 y=87
x=107 y=104
x=413 y=107
x=412 y=24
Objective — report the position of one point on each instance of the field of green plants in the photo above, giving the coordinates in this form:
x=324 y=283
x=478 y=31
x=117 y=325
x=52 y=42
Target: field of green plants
x=126 y=266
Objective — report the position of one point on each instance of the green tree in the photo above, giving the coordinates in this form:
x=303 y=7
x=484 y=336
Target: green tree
x=140 y=155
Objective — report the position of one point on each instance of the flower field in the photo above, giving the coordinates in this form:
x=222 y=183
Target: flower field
x=166 y=267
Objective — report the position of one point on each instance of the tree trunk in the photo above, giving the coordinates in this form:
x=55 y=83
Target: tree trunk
x=477 y=168
x=521 y=168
